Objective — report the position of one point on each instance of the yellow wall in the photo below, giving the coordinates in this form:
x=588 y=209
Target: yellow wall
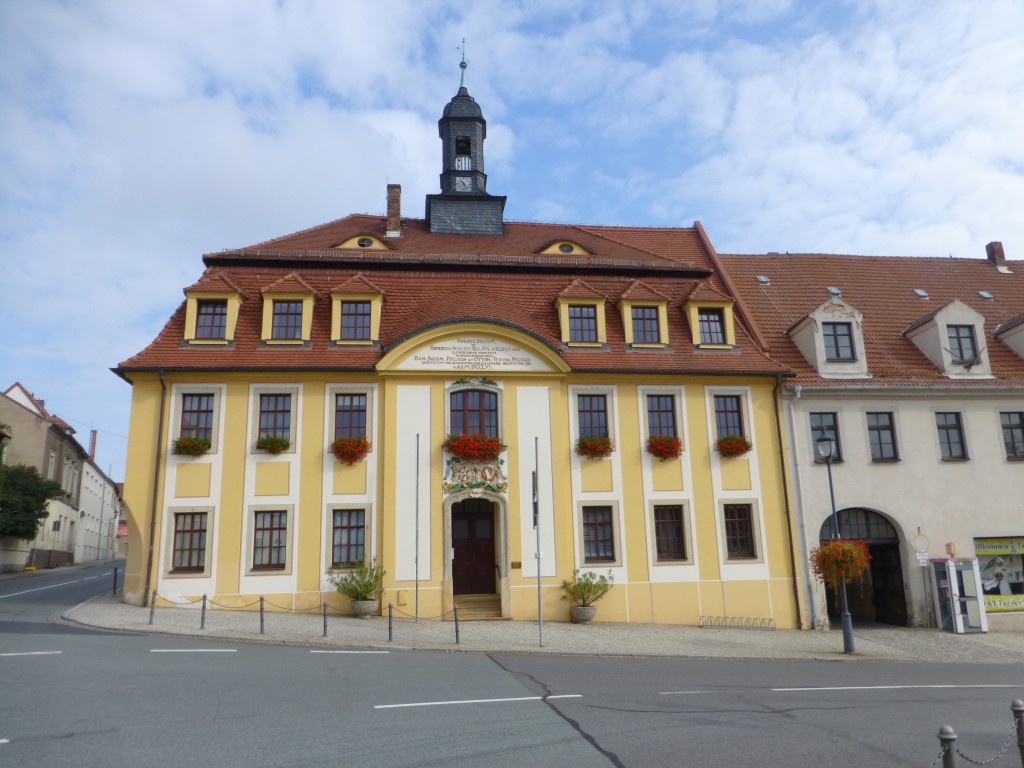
x=635 y=597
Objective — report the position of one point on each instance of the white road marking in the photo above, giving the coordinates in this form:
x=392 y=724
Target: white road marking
x=895 y=687
x=476 y=701
x=34 y=653
x=90 y=577
x=5 y=741
x=680 y=693
x=193 y=650
x=350 y=651
x=37 y=589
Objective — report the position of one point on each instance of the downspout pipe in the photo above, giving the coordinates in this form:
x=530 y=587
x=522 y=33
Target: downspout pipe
x=776 y=398
x=156 y=486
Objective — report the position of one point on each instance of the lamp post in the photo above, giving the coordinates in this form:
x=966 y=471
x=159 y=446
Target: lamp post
x=825 y=449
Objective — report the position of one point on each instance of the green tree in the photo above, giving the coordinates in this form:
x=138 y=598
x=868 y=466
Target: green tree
x=23 y=496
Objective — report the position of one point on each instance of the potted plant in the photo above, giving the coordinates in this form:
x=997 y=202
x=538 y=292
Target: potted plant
x=594 y=447
x=273 y=444
x=664 y=446
x=840 y=560
x=351 y=450
x=191 y=446
x=363 y=585
x=731 y=446
x=583 y=591
x=475 y=448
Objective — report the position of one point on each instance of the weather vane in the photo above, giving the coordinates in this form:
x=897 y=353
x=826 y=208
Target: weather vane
x=463 y=64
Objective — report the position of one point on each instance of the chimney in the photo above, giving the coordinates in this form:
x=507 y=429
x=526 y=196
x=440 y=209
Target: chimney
x=996 y=256
x=394 y=224
x=92 y=445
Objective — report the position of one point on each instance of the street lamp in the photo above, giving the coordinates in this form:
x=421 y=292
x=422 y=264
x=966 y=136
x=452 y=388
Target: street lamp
x=825 y=449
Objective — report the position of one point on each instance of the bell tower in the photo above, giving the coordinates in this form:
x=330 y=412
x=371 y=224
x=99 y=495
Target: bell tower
x=464 y=205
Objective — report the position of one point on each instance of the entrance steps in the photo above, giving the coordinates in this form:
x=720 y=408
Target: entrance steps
x=478 y=607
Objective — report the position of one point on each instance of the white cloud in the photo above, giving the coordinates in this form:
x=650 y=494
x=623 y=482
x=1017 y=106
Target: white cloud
x=138 y=136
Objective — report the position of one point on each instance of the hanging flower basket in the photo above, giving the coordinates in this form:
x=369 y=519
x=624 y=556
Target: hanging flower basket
x=191 y=446
x=594 y=447
x=273 y=444
x=476 y=448
x=840 y=559
x=351 y=450
x=731 y=446
x=664 y=446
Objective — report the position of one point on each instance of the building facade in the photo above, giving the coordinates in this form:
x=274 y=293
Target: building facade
x=424 y=392
x=915 y=366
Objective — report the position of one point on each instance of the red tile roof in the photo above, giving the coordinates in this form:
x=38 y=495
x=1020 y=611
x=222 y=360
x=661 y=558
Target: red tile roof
x=578 y=289
x=882 y=289
x=357 y=284
x=214 y=282
x=290 y=283
x=638 y=290
x=431 y=280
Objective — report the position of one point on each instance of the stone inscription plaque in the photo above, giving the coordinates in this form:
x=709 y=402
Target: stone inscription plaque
x=473 y=353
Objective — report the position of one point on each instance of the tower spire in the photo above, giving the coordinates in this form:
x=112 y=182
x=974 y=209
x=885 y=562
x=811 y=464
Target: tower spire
x=462 y=65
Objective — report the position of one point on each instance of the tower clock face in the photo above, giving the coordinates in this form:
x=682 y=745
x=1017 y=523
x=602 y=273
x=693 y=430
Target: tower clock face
x=463 y=184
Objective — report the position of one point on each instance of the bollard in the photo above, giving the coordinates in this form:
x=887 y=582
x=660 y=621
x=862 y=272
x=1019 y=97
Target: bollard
x=1017 y=707
x=152 y=607
x=325 y=618
x=456 y=625
x=389 y=622
x=948 y=741
x=115 y=581
x=202 y=616
x=261 y=614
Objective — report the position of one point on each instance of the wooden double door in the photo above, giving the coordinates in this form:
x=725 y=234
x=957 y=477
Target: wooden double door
x=474 y=564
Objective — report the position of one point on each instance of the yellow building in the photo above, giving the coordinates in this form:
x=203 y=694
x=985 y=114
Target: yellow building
x=537 y=341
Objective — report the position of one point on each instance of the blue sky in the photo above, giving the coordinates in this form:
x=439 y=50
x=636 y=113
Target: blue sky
x=137 y=136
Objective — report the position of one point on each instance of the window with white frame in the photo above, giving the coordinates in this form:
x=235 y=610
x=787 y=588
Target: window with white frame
x=826 y=425
x=728 y=416
x=348 y=537
x=598 y=534
x=740 y=531
x=270 y=540
x=670 y=535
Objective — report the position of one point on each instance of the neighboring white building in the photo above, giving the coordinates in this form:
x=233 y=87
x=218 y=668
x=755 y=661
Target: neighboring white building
x=81 y=523
x=99 y=510
x=916 y=367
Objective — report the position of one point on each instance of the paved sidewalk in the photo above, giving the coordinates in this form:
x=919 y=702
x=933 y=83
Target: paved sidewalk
x=874 y=643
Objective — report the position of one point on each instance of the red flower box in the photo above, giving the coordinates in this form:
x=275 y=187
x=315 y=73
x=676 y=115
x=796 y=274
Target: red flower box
x=477 y=448
x=351 y=450
x=594 y=447
x=731 y=446
x=664 y=446
x=191 y=446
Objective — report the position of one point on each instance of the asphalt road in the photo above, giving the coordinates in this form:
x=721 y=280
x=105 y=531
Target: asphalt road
x=72 y=697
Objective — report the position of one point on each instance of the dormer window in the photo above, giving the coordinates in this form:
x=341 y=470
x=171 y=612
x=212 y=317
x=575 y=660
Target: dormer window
x=211 y=319
x=831 y=338
x=644 y=316
x=962 y=347
x=645 y=325
x=364 y=242
x=838 y=339
x=952 y=338
x=355 y=312
x=287 y=320
x=711 y=323
x=287 y=312
x=582 y=324
x=211 y=310
x=355 y=320
x=581 y=315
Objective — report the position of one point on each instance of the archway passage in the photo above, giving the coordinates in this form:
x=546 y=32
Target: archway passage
x=474 y=569
x=881 y=597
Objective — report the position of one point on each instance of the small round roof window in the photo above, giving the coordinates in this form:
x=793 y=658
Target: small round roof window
x=565 y=248
x=364 y=242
